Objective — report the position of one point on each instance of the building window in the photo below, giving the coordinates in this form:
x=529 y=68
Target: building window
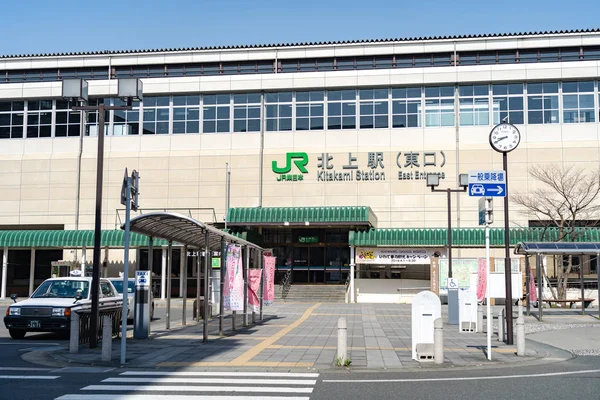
x=67 y=121
x=279 y=111
x=507 y=101
x=11 y=119
x=341 y=109
x=246 y=112
x=39 y=118
x=373 y=108
x=156 y=115
x=542 y=103
x=310 y=109
x=216 y=113
x=578 y=102
x=127 y=122
x=439 y=106
x=186 y=114
x=406 y=107
x=91 y=125
x=474 y=105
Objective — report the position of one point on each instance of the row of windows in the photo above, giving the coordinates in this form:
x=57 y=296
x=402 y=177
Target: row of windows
x=488 y=57
x=435 y=106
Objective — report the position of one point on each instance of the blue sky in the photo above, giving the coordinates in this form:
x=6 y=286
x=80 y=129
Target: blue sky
x=42 y=26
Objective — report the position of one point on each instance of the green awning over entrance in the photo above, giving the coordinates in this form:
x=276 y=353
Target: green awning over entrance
x=463 y=237
x=69 y=239
x=249 y=216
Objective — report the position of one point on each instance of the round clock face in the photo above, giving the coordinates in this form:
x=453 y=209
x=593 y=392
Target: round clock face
x=505 y=137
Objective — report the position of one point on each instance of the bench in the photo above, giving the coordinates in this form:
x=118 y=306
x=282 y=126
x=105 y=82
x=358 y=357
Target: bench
x=586 y=302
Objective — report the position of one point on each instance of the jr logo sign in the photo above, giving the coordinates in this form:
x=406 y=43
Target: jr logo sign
x=298 y=159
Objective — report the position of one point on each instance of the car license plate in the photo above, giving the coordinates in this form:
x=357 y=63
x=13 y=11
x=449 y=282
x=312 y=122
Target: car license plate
x=34 y=324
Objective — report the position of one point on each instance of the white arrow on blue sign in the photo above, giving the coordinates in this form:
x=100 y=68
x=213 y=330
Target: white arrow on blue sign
x=487 y=184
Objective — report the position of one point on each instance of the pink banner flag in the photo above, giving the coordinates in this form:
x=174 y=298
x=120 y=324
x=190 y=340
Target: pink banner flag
x=254 y=276
x=532 y=291
x=233 y=291
x=269 y=292
x=481 y=279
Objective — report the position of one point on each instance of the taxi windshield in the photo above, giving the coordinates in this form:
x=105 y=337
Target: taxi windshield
x=67 y=288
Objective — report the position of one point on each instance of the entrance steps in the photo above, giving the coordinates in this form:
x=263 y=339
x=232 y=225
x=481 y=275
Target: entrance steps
x=312 y=293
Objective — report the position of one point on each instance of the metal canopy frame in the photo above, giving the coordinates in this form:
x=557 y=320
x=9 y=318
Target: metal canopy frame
x=556 y=248
x=188 y=232
x=184 y=230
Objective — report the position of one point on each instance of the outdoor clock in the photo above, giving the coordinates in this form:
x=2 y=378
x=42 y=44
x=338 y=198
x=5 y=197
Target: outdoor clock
x=505 y=137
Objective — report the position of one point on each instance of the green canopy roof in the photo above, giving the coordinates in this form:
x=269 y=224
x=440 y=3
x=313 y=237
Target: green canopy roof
x=69 y=239
x=248 y=216
x=463 y=237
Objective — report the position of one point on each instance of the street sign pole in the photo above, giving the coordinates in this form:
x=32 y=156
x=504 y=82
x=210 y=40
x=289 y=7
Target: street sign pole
x=487 y=292
x=507 y=265
x=127 y=186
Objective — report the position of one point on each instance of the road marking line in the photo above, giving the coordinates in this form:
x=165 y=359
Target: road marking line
x=213 y=381
x=43 y=377
x=197 y=389
x=238 y=373
x=168 y=397
x=25 y=369
x=253 y=352
x=29 y=344
x=229 y=364
x=471 y=378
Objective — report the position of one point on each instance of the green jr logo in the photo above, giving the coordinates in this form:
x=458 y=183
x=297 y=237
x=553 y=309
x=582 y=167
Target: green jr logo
x=299 y=159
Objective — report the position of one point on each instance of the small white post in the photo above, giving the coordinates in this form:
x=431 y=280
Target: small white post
x=4 y=267
x=438 y=341
x=342 y=349
x=520 y=331
x=501 y=325
x=479 y=319
x=32 y=272
x=83 y=251
x=74 y=338
x=490 y=318
x=106 y=338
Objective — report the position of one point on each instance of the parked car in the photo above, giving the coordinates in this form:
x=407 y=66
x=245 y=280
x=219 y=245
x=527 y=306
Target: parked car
x=118 y=284
x=50 y=307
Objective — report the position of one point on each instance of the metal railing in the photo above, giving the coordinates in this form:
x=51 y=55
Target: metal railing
x=85 y=319
x=286 y=283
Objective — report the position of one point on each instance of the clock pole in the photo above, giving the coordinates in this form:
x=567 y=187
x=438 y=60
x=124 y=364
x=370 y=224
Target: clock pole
x=507 y=265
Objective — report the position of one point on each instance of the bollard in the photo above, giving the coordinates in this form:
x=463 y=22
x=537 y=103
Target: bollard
x=438 y=341
x=501 y=325
x=479 y=319
x=106 y=338
x=74 y=338
x=520 y=332
x=342 y=349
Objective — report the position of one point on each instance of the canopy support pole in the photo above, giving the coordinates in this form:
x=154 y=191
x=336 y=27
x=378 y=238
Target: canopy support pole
x=222 y=285
x=169 y=269
x=32 y=272
x=207 y=270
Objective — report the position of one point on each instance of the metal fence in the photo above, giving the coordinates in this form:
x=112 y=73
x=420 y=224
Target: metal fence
x=84 y=324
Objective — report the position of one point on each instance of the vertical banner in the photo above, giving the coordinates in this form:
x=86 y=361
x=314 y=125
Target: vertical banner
x=233 y=292
x=254 y=276
x=269 y=290
x=481 y=279
x=532 y=290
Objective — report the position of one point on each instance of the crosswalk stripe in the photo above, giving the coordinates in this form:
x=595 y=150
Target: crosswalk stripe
x=43 y=377
x=213 y=381
x=246 y=389
x=238 y=373
x=168 y=397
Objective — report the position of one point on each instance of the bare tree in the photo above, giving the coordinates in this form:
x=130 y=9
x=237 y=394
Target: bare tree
x=567 y=200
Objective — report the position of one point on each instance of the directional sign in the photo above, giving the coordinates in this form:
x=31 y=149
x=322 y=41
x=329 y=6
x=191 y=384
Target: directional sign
x=487 y=184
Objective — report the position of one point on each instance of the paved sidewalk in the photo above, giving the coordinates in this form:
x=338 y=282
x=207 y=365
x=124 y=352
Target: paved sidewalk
x=299 y=336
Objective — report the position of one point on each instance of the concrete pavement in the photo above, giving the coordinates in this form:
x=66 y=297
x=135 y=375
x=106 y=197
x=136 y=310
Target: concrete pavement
x=304 y=336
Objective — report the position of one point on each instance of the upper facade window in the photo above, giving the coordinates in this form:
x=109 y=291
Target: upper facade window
x=246 y=112
x=542 y=103
x=374 y=108
x=578 y=102
x=474 y=105
x=507 y=103
x=11 y=119
x=406 y=107
x=439 y=106
x=279 y=111
x=341 y=109
x=310 y=110
x=216 y=113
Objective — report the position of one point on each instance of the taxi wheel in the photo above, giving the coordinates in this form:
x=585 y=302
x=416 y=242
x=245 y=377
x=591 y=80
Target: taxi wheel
x=17 y=333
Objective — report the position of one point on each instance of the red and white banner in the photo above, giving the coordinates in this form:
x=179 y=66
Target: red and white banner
x=233 y=291
x=269 y=292
x=254 y=276
x=481 y=279
x=532 y=291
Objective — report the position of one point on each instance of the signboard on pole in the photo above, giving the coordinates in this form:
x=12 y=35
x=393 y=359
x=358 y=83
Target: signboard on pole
x=391 y=256
x=142 y=279
x=487 y=184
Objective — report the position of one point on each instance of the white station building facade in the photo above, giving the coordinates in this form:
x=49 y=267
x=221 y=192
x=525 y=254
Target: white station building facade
x=328 y=146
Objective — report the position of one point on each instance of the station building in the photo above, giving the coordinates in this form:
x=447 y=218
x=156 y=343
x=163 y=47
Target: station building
x=328 y=146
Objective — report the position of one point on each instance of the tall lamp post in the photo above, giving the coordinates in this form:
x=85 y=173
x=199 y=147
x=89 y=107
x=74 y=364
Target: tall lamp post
x=433 y=181
x=76 y=89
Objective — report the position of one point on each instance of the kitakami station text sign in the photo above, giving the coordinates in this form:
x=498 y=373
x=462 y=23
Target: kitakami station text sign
x=487 y=183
